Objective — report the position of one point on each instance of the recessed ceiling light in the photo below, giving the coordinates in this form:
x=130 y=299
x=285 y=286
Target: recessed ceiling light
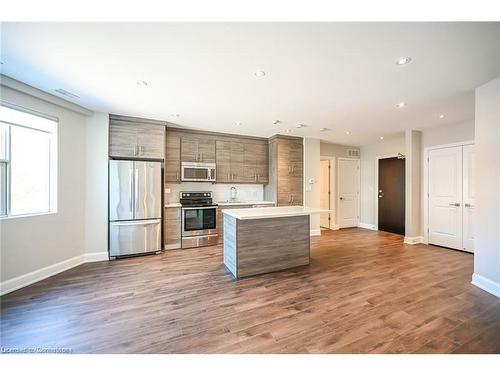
x=300 y=126
x=348 y=132
x=142 y=83
x=238 y=123
x=381 y=138
x=259 y=73
x=175 y=115
x=67 y=93
x=323 y=129
x=403 y=60
x=276 y=122
x=401 y=105
x=441 y=116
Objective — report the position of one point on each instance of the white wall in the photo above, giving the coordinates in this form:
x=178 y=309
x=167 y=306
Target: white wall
x=312 y=171
x=96 y=186
x=369 y=154
x=450 y=133
x=487 y=188
x=31 y=243
x=413 y=173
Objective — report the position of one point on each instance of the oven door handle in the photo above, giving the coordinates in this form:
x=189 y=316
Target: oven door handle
x=199 y=208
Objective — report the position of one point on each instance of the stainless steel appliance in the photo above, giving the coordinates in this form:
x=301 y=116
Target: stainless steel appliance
x=198 y=172
x=199 y=219
x=134 y=207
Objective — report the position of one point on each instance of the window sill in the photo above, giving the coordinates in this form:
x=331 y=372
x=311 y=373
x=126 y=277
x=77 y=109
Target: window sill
x=24 y=216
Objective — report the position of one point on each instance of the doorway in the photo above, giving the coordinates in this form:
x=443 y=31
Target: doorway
x=348 y=192
x=327 y=193
x=391 y=195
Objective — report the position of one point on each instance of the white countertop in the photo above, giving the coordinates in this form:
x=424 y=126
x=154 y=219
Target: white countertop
x=243 y=203
x=271 y=212
x=172 y=205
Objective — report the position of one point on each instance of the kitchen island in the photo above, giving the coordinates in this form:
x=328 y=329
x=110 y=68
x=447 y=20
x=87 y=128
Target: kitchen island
x=261 y=240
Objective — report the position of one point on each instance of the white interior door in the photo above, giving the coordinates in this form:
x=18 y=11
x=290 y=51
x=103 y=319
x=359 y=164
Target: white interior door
x=348 y=192
x=324 y=186
x=469 y=198
x=445 y=197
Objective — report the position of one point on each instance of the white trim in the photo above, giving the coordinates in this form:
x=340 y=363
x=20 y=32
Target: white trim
x=32 y=277
x=388 y=156
x=337 y=200
x=413 y=240
x=315 y=232
x=53 y=99
x=333 y=197
x=367 y=226
x=425 y=199
x=96 y=257
x=486 y=284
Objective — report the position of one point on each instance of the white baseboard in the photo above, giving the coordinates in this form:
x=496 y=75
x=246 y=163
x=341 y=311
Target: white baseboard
x=32 y=277
x=413 y=240
x=367 y=226
x=335 y=227
x=96 y=257
x=486 y=284
x=315 y=232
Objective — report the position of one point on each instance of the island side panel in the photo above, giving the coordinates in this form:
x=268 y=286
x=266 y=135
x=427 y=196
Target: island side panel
x=230 y=236
x=267 y=245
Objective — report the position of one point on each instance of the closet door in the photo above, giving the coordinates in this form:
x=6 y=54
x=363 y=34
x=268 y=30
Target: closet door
x=469 y=198
x=445 y=197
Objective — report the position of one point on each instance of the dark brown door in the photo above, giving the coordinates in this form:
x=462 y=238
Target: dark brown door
x=391 y=195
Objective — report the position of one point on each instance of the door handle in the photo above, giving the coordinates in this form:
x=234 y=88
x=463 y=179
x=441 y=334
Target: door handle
x=455 y=204
x=341 y=198
x=468 y=205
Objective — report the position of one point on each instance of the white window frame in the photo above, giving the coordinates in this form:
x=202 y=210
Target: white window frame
x=52 y=162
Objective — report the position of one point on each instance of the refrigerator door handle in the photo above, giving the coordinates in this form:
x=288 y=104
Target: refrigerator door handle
x=131 y=194
x=136 y=191
x=136 y=222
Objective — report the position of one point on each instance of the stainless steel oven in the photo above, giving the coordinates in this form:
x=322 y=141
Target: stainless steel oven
x=198 y=172
x=199 y=219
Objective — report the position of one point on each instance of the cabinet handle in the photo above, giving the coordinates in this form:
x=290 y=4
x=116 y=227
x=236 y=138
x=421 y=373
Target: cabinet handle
x=143 y=149
x=289 y=169
x=293 y=169
x=292 y=199
x=177 y=175
x=201 y=156
x=135 y=150
x=455 y=204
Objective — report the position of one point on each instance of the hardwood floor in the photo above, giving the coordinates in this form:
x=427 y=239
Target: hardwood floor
x=364 y=292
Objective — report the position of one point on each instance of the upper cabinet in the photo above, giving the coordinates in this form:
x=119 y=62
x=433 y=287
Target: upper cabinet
x=285 y=171
x=242 y=161
x=197 y=149
x=173 y=157
x=238 y=159
x=136 y=138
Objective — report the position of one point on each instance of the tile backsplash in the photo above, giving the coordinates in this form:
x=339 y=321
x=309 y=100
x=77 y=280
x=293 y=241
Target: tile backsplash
x=221 y=192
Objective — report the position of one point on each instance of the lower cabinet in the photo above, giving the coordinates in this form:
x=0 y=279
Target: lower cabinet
x=172 y=228
x=220 y=222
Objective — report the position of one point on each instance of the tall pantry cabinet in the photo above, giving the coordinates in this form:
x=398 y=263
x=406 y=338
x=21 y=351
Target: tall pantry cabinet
x=286 y=170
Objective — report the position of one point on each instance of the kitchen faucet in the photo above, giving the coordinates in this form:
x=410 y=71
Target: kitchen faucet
x=234 y=192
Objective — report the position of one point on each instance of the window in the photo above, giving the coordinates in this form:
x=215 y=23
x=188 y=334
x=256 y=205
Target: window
x=28 y=163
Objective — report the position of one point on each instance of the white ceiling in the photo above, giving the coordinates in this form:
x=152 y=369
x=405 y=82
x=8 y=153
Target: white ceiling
x=341 y=76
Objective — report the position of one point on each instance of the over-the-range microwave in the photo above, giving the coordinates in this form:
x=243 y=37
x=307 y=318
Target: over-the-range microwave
x=198 y=172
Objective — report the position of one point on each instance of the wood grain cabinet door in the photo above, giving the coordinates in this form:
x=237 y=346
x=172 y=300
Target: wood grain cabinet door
x=122 y=139
x=172 y=228
x=189 y=149
x=173 y=158
x=151 y=141
x=238 y=162
x=250 y=164
x=262 y=162
x=206 y=150
x=223 y=160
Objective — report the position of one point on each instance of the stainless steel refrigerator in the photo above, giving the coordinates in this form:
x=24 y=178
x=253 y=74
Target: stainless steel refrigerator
x=134 y=207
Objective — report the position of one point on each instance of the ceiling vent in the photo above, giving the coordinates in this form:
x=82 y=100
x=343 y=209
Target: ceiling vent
x=353 y=152
x=67 y=93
